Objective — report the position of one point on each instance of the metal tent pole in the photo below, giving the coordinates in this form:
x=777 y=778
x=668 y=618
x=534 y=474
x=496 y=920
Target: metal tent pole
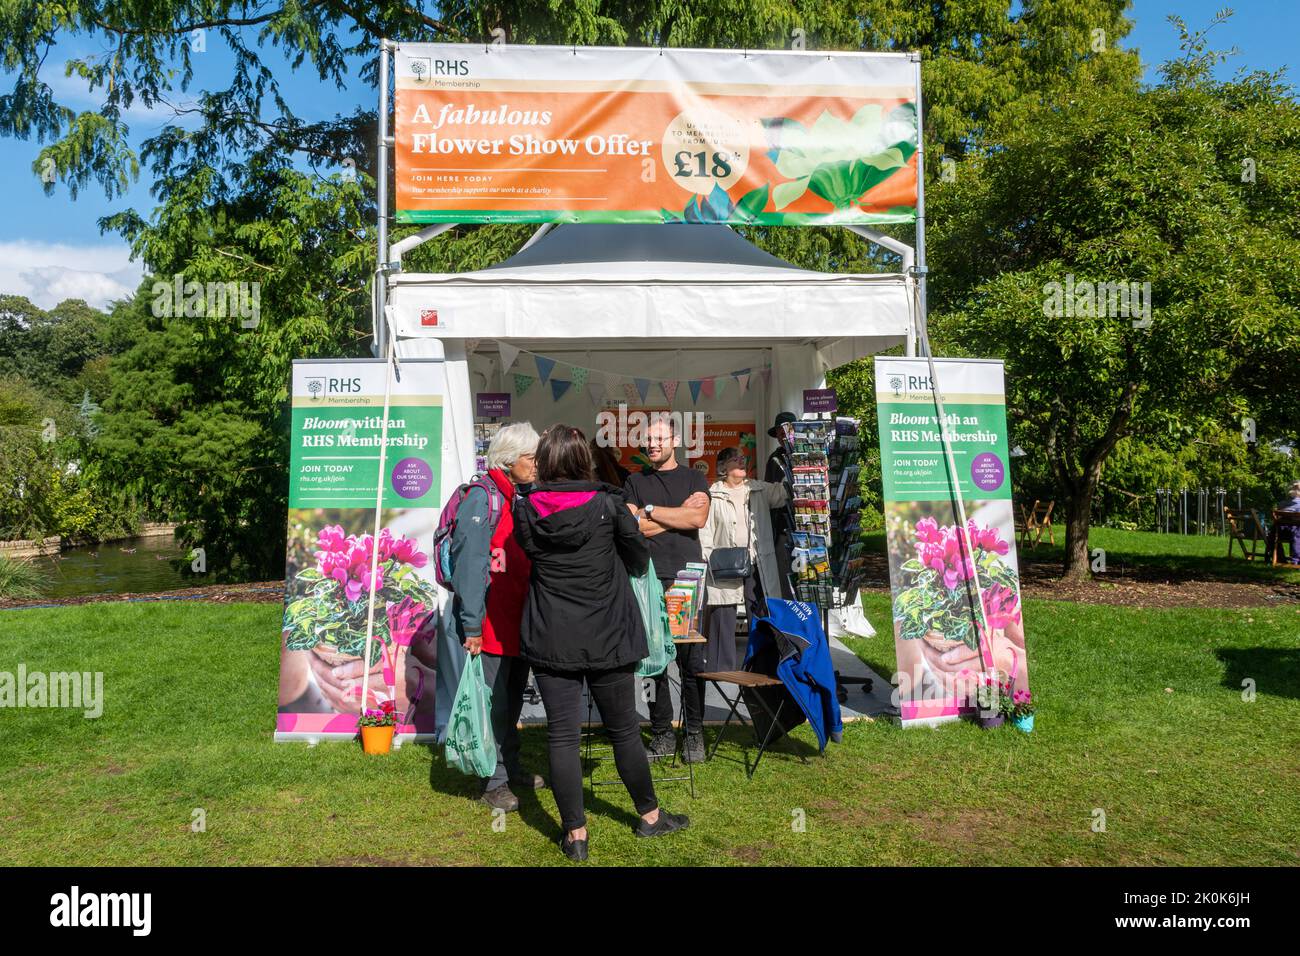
x=380 y=346
x=959 y=504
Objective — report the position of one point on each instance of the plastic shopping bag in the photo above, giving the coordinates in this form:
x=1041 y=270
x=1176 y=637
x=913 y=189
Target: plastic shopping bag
x=650 y=599
x=471 y=748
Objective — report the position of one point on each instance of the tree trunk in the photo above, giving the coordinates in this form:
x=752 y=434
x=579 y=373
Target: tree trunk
x=1078 y=514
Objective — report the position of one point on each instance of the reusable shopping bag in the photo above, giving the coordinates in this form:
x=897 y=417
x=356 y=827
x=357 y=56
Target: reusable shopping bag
x=471 y=747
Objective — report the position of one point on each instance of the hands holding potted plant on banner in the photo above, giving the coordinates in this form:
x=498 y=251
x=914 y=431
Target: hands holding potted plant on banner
x=330 y=618
x=934 y=609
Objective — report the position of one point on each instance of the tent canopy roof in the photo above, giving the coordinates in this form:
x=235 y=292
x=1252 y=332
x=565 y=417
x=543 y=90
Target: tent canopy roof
x=645 y=248
x=674 y=283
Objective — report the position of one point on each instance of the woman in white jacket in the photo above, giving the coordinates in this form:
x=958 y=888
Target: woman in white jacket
x=739 y=516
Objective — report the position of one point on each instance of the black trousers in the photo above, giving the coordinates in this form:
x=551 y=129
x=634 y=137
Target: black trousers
x=720 y=654
x=615 y=695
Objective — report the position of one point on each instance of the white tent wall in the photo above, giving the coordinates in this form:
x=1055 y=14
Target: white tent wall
x=794 y=368
x=651 y=302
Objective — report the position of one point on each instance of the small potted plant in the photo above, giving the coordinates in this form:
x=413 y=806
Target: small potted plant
x=1022 y=710
x=994 y=700
x=377 y=728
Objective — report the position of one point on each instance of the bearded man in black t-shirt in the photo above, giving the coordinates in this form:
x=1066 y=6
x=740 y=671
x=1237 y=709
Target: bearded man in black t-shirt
x=672 y=503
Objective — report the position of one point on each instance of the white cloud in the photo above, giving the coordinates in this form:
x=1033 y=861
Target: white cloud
x=49 y=272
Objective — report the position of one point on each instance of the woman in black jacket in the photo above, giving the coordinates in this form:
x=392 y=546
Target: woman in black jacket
x=582 y=624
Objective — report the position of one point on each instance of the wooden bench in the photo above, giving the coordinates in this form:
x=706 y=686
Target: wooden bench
x=1244 y=526
x=743 y=680
x=1281 y=519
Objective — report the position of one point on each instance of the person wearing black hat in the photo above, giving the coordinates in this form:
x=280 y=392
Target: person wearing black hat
x=779 y=470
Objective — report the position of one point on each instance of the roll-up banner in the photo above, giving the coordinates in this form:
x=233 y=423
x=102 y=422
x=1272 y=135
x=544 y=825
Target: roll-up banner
x=581 y=134
x=334 y=465
x=936 y=582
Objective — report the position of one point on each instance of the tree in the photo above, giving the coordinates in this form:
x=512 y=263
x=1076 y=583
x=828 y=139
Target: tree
x=194 y=416
x=1140 y=186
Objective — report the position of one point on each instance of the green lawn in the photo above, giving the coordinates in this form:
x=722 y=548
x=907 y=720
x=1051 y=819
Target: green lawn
x=1191 y=776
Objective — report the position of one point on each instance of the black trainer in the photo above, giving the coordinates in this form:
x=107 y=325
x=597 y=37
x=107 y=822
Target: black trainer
x=694 y=751
x=574 y=849
x=667 y=823
x=662 y=745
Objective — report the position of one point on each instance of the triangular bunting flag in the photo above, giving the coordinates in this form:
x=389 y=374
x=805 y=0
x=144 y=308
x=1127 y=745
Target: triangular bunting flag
x=579 y=377
x=694 y=386
x=765 y=374
x=642 y=388
x=508 y=355
x=707 y=387
x=669 y=389
x=743 y=379
x=558 y=388
x=596 y=387
x=719 y=384
x=629 y=390
x=523 y=383
x=544 y=366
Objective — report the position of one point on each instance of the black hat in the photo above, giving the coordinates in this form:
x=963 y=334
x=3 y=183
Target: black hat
x=776 y=431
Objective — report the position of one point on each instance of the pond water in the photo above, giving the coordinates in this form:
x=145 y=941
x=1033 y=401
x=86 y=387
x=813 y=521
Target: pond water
x=110 y=569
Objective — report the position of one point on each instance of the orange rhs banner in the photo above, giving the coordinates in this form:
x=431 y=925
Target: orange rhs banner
x=564 y=134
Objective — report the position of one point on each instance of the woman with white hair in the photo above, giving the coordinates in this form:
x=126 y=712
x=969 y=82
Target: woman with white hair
x=489 y=578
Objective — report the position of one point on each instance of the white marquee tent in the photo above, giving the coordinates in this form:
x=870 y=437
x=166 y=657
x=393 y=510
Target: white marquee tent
x=659 y=302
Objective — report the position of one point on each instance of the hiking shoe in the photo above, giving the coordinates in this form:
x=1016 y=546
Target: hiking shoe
x=500 y=798
x=574 y=849
x=667 y=823
x=694 y=752
x=662 y=745
x=529 y=781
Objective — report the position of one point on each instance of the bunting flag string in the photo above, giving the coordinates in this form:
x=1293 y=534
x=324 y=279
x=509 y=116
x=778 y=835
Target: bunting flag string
x=508 y=355
x=580 y=374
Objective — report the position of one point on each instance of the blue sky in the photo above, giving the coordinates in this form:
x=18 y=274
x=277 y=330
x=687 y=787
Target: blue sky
x=51 y=247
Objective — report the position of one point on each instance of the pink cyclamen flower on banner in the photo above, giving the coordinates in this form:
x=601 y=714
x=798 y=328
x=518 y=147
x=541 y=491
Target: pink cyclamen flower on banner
x=332 y=539
x=1001 y=607
x=986 y=539
x=407 y=551
x=404 y=619
x=927 y=531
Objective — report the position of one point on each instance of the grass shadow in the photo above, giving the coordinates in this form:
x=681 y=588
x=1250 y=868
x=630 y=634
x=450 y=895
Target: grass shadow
x=1272 y=670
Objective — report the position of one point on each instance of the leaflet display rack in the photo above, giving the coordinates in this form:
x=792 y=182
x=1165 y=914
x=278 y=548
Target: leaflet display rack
x=824 y=498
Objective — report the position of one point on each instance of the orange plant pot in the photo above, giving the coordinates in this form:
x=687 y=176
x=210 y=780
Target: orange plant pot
x=377 y=740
